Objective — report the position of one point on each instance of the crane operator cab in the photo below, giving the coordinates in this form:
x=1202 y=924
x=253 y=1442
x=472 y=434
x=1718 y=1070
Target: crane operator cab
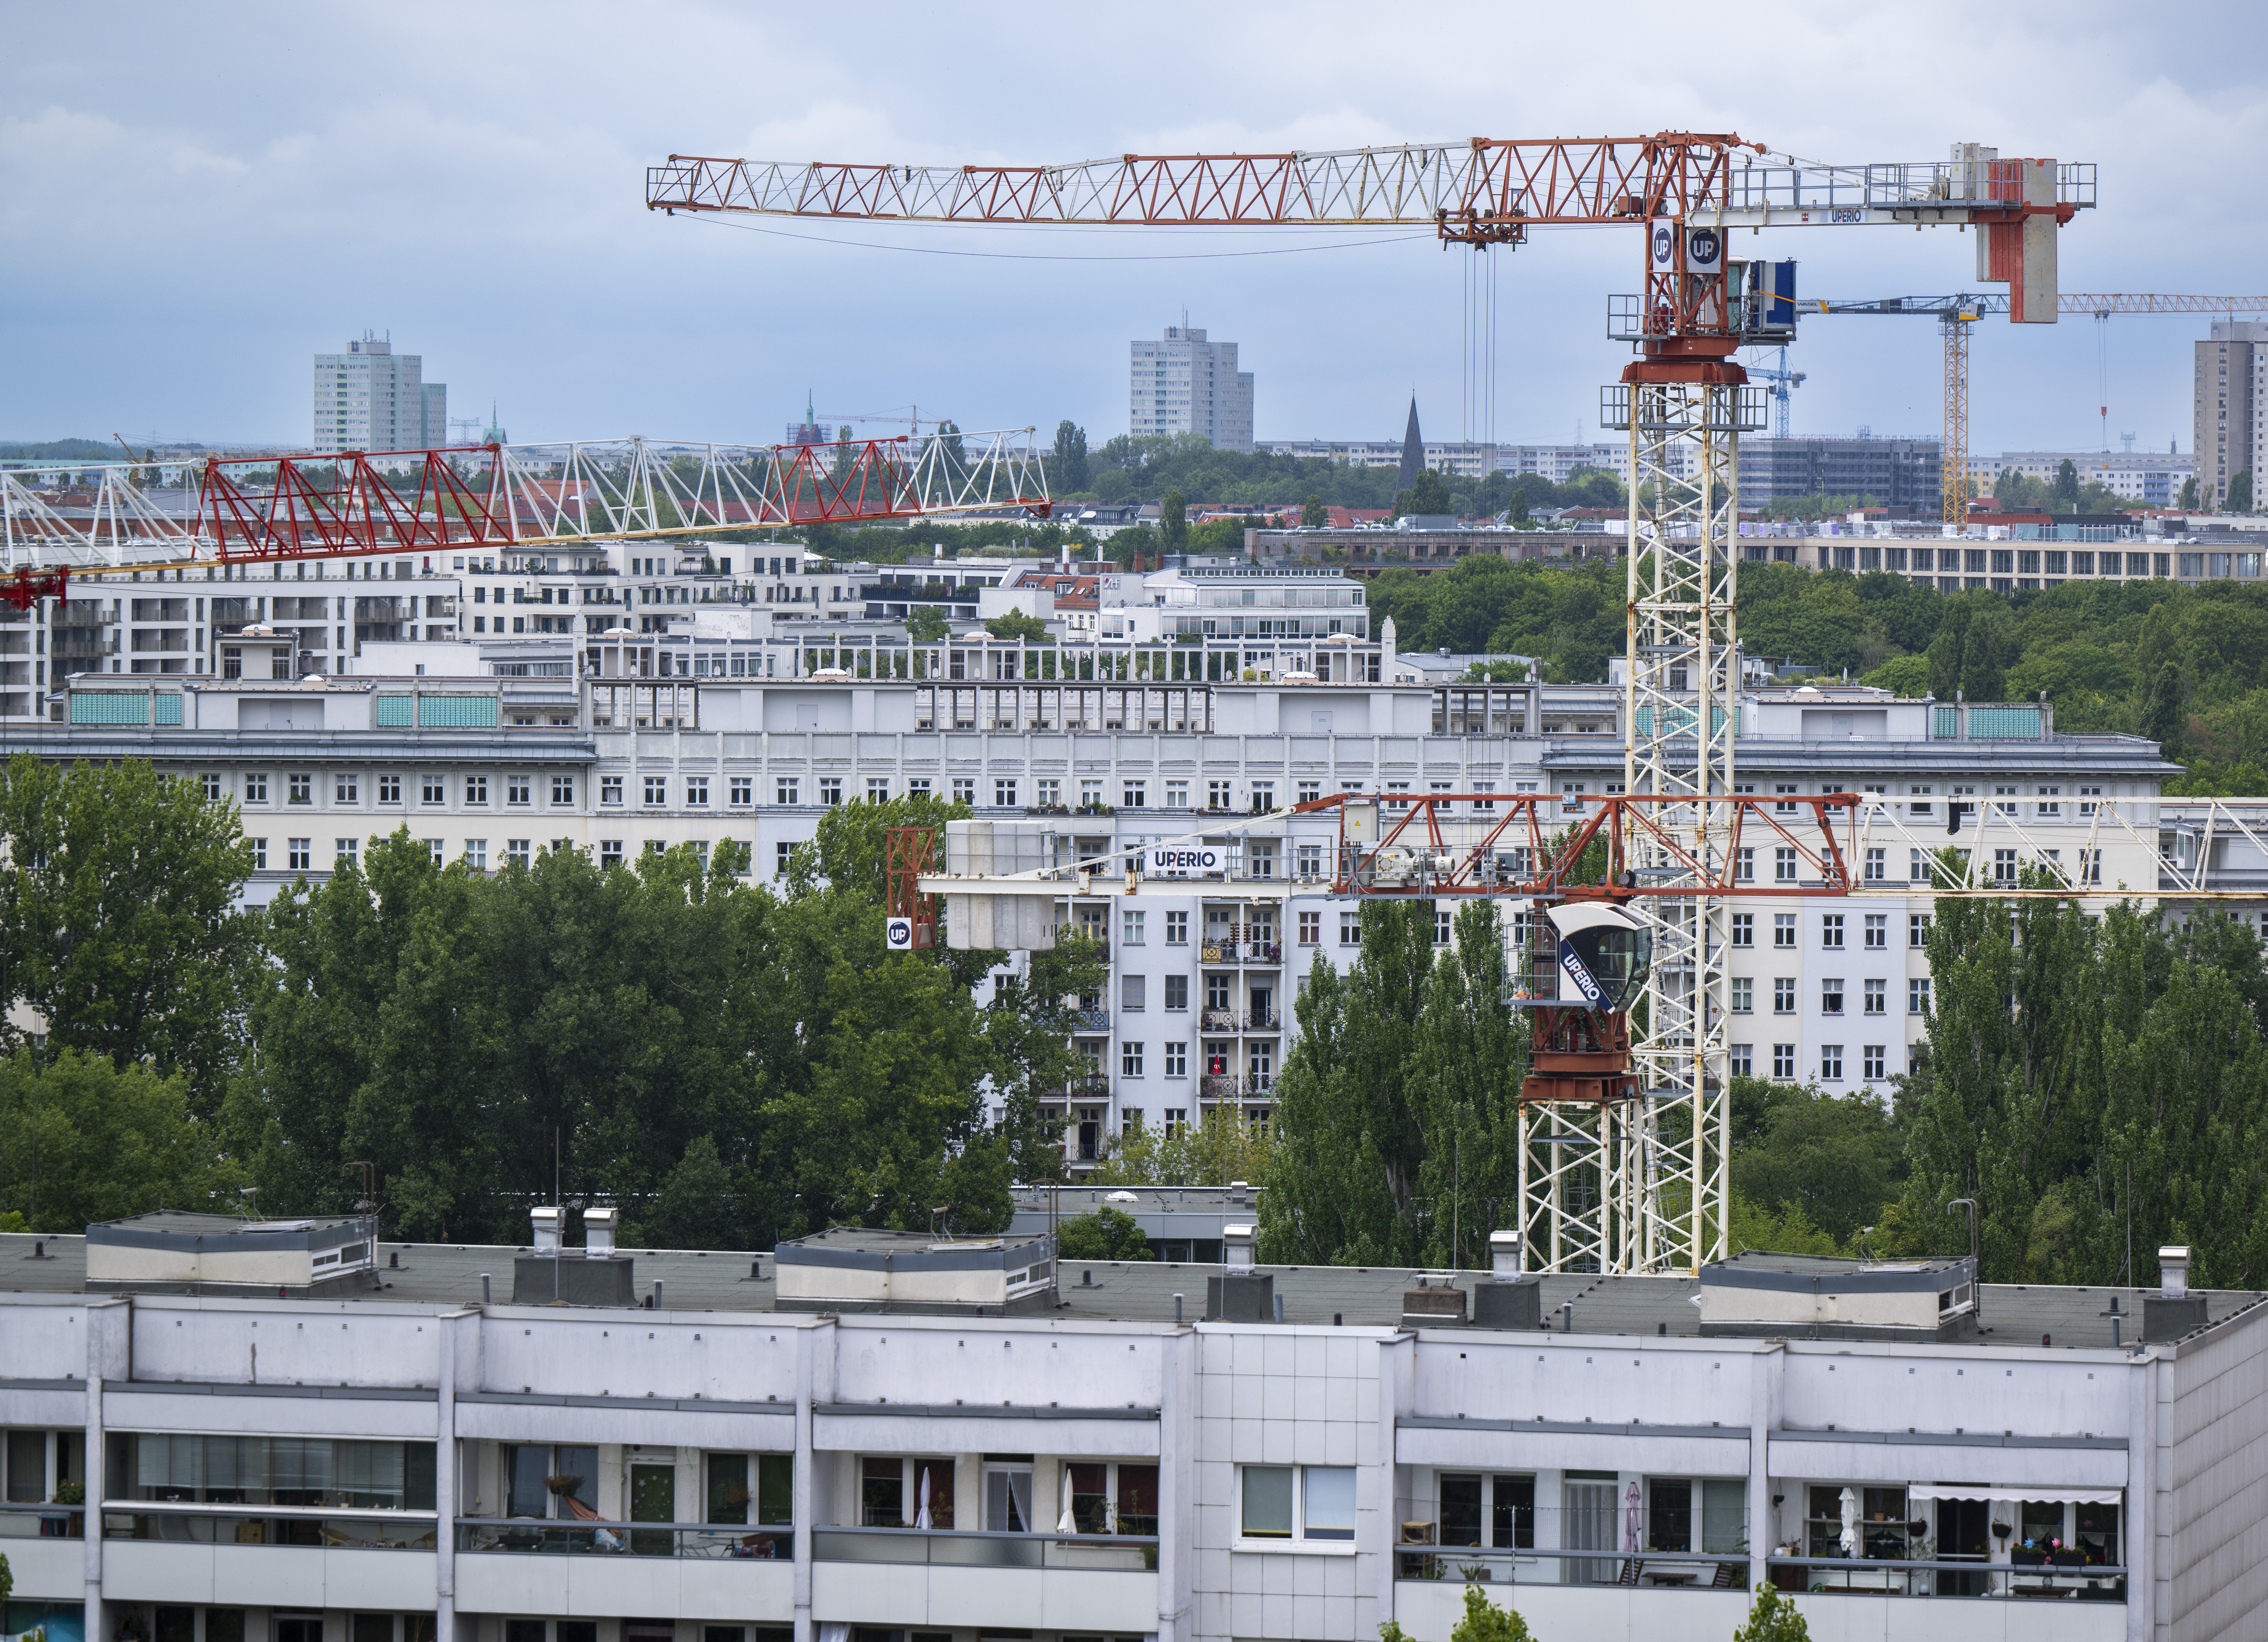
x=1604 y=954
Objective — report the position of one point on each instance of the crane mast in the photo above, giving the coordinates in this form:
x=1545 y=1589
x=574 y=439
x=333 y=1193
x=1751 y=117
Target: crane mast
x=1622 y=1170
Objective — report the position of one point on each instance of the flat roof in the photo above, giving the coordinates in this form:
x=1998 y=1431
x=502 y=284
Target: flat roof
x=1142 y=1291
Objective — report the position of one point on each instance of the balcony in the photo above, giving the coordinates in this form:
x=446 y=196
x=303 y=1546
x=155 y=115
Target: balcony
x=1092 y=1085
x=335 y=1558
x=903 y=1577
x=694 y=1570
x=1090 y=1020
x=1232 y=952
x=1260 y=1021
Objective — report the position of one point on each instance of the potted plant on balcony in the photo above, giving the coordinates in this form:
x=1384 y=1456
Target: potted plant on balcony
x=72 y=1494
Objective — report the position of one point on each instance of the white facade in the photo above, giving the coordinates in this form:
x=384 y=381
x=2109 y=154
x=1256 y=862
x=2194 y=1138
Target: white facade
x=2229 y=409
x=1105 y=1463
x=1186 y=384
x=2146 y=478
x=1466 y=460
x=371 y=398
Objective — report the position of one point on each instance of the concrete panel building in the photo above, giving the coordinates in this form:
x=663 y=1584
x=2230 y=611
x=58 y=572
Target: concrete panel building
x=371 y=398
x=1186 y=383
x=421 y=1458
x=2229 y=408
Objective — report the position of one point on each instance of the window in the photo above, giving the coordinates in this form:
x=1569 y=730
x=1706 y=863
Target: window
x=1441 y=927
x=1004 y=794
x=1783 y=1060
x=303 y=790
x=259 y=854
x=1090 y=795
x=2050 y=803
x=1784 y=865
x=1744 y=1060
x=1177 y=928
x=743 y=792
x=389 y=788
x=1177 y=991
x=1830 y=996
x=516 y=790
x=345 y=790
x=1311 y=861
x=1782 y=804
x=300 y=850
x=2002 y=800
x=477 y=854
x=477 y=789
x=1177 y=1058
x=1917 y=995
x=656 y=790
x=918 y=787
x=878 y=790
x=610 y=852
x=1918 y=801
x=831 y=791
x=1916 y=866
x=1130 y=1060
x=1263 y=797
x=964 y=790
x=1831 y=930
x=1350 y=929
x=1744 y=864
x=2004 y=866
x=1916 y=929
x=2090 y=866
x=1877 y=865
x=1830 y=1063
x=1311 y=929
x=1878 y=931
x=1744 y=929
x=1177 y=1118
x=1871 y=1061
x=344 y=852
x=1744 y=995
x=433 y=850
x=1310 y=791
x=517 y=851
x=1877 y=997
x=1783 y=994
x=1783 y=929
x=1134 y=795
x=1305 y=1502
x=1177 y=795
x=786 y=790
x=2088 y=798
x=780 y=853
x=610 y=790
x=1219 y=795
x=563 y=792
x=697 y=789
x=1132 y=924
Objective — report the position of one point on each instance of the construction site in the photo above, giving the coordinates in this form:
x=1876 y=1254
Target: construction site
x=899 y=954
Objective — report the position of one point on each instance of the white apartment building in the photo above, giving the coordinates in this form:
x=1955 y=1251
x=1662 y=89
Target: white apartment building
x=723 y=730
x=1185 y=384
x=1464 y=459
x=220 y=1431
x=2146 y=478
x=371 y=398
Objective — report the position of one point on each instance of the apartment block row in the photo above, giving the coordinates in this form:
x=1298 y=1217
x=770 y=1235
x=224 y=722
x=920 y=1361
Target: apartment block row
x=224 y=1430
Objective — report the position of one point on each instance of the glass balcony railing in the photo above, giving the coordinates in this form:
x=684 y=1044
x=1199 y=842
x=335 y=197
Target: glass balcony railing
x=1120 y=1553
x=336 y=1528
x=42 y=1521
x=707 y=1540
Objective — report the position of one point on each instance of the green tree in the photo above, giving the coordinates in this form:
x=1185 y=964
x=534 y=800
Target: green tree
x=1430 y=494
x=1906 y=676
x=2066 y=486
x=1833 y=1162
x=2189 y=498
x=1109 y=1233
x=1017 y=624
x=2161 y=719
x=1772 y=1618
x=2239 y=493
x=1470 y=1052
x=695 y=1207
x=1481 y=1622
x=1174 y=521
x=1220 y=1148
x=1069 y=469
x=925 y=624
x=83 y=1141
x=1313 y=514
x=119 y=922
x=1344 y=1189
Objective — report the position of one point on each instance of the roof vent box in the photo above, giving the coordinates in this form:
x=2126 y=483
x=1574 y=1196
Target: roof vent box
x=1758 y=1294
x=1240 y=1297
x=1508 y=1303
x=1432 y=1308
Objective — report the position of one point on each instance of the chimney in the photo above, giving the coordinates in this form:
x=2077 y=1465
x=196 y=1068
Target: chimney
x=546 y=1230
x=1504 y=1254
x=599 y=1233
x=1236 y=1247
x=2174 y=1262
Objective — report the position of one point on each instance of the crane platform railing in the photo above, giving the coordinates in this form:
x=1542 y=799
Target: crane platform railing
x=92 y=518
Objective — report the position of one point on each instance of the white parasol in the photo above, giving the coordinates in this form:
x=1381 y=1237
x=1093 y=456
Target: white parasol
x=921 y=1516
x=1066 y=1523
x=1634 y=1518
x=1850 y=1507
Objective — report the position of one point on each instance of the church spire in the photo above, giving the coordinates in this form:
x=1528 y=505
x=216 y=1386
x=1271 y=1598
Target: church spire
x=1413 y=451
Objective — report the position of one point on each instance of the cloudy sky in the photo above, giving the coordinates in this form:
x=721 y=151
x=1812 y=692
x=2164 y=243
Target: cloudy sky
x=194 y=206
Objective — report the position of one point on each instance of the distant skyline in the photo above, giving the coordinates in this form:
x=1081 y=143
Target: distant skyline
x=192 y=214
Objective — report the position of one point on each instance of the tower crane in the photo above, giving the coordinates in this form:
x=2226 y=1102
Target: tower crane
x=1683 y=400
x=1955 y=314
x=1782 y=380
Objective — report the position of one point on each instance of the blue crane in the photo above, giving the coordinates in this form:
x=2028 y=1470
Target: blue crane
x=1782 y=380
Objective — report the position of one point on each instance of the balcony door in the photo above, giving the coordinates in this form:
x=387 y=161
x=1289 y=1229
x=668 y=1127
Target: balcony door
x=1588 y=1523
